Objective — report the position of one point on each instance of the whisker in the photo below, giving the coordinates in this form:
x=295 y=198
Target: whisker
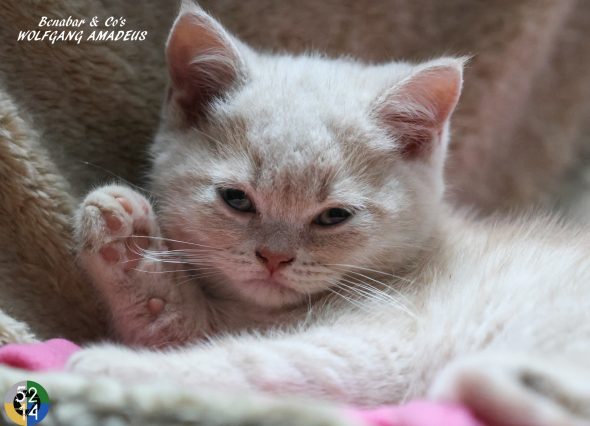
x=167 y=272
x=387 y=286
x=156 y=259
x=380 y=295
x=177 y=251
x=145 y=254
x=170 y=258
x=369 y=270
x=113 y=174
x=348 y=299
x=176 y=241
x=365 y=290
x=356 y=289
x=193 y=278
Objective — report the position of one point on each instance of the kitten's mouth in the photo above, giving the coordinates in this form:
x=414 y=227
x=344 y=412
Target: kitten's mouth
x=268 y=283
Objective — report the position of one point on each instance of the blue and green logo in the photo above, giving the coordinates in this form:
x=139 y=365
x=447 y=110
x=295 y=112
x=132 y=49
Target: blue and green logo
x=26 y=403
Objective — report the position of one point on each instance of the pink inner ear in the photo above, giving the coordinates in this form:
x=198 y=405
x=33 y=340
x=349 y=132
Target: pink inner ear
x=202 y=63
x=415 y=135
x=437 y=87
x=416 y=111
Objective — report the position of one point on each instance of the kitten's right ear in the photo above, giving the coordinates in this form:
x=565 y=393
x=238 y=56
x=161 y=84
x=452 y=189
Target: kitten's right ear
x=203 y=62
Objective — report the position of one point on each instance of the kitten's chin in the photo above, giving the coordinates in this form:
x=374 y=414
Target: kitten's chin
x=267 y=293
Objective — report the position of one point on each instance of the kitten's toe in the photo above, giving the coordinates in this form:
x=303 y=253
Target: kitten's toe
x=499 y=392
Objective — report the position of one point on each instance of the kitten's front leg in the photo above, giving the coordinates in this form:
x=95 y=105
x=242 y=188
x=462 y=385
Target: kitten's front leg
x=327 y=362
x=150 y=301
x=518 y=390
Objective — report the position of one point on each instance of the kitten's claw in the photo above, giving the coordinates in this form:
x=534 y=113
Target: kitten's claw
x=512 y=391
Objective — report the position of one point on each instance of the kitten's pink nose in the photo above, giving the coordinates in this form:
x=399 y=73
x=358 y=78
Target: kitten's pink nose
x=273 y=260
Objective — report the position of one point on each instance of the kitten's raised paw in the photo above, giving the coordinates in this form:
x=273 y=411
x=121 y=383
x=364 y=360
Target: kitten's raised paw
x=511 y=390
x=116 y=224
x=119 y=241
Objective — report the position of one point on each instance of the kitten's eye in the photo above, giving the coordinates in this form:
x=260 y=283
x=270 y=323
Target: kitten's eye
x=237 y=199
x=332 y=217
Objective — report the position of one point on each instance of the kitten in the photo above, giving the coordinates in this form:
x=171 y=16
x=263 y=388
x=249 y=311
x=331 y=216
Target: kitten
x=303 y=196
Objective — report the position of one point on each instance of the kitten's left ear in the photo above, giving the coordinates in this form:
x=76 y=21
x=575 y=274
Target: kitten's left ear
x=416 y=111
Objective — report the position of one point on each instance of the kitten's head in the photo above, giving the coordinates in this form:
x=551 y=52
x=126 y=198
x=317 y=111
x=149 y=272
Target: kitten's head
x=284 y=173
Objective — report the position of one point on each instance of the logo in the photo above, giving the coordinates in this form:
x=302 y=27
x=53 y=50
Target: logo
x=26 y=403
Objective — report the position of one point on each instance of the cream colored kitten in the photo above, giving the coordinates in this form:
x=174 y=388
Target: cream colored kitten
x=303 y=196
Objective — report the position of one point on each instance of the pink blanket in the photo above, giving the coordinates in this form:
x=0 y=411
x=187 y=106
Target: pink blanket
x=54 y=353
x=49 y=355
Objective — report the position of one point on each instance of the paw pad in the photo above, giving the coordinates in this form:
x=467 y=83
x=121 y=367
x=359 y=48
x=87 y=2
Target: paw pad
x=127 y=205
x=112 y=221
x=155 y=306
x=110 y=254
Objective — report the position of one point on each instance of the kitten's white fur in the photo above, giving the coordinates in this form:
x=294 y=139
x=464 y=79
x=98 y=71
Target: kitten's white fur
x=494 y=313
